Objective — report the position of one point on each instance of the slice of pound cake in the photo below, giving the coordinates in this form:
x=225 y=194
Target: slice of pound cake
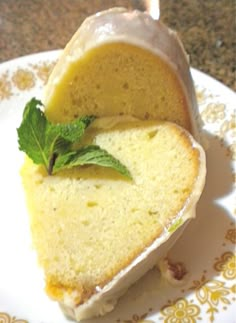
x=96 y=232
x=121 y=62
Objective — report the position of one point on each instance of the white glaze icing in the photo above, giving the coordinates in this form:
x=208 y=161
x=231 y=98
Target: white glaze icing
x=168 y=274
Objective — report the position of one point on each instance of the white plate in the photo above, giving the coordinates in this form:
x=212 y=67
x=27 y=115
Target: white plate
x=206 y=248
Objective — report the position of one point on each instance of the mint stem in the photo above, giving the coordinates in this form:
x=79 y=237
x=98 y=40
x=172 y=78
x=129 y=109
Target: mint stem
x=52 y=161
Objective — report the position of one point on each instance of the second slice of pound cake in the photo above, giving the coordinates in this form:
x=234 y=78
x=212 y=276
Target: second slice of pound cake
x=96 y=232
x=122 y=62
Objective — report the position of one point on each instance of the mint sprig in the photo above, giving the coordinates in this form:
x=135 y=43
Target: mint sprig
x=52 y=144
x=89 y=155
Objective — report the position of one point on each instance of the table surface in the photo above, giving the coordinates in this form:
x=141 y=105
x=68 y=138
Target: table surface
x=207 y=28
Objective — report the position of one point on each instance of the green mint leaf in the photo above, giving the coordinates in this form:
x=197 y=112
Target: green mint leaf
x=74 y=131
x=60 y=137
x=31 y=133
x=89 y=155
x=52 y=144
